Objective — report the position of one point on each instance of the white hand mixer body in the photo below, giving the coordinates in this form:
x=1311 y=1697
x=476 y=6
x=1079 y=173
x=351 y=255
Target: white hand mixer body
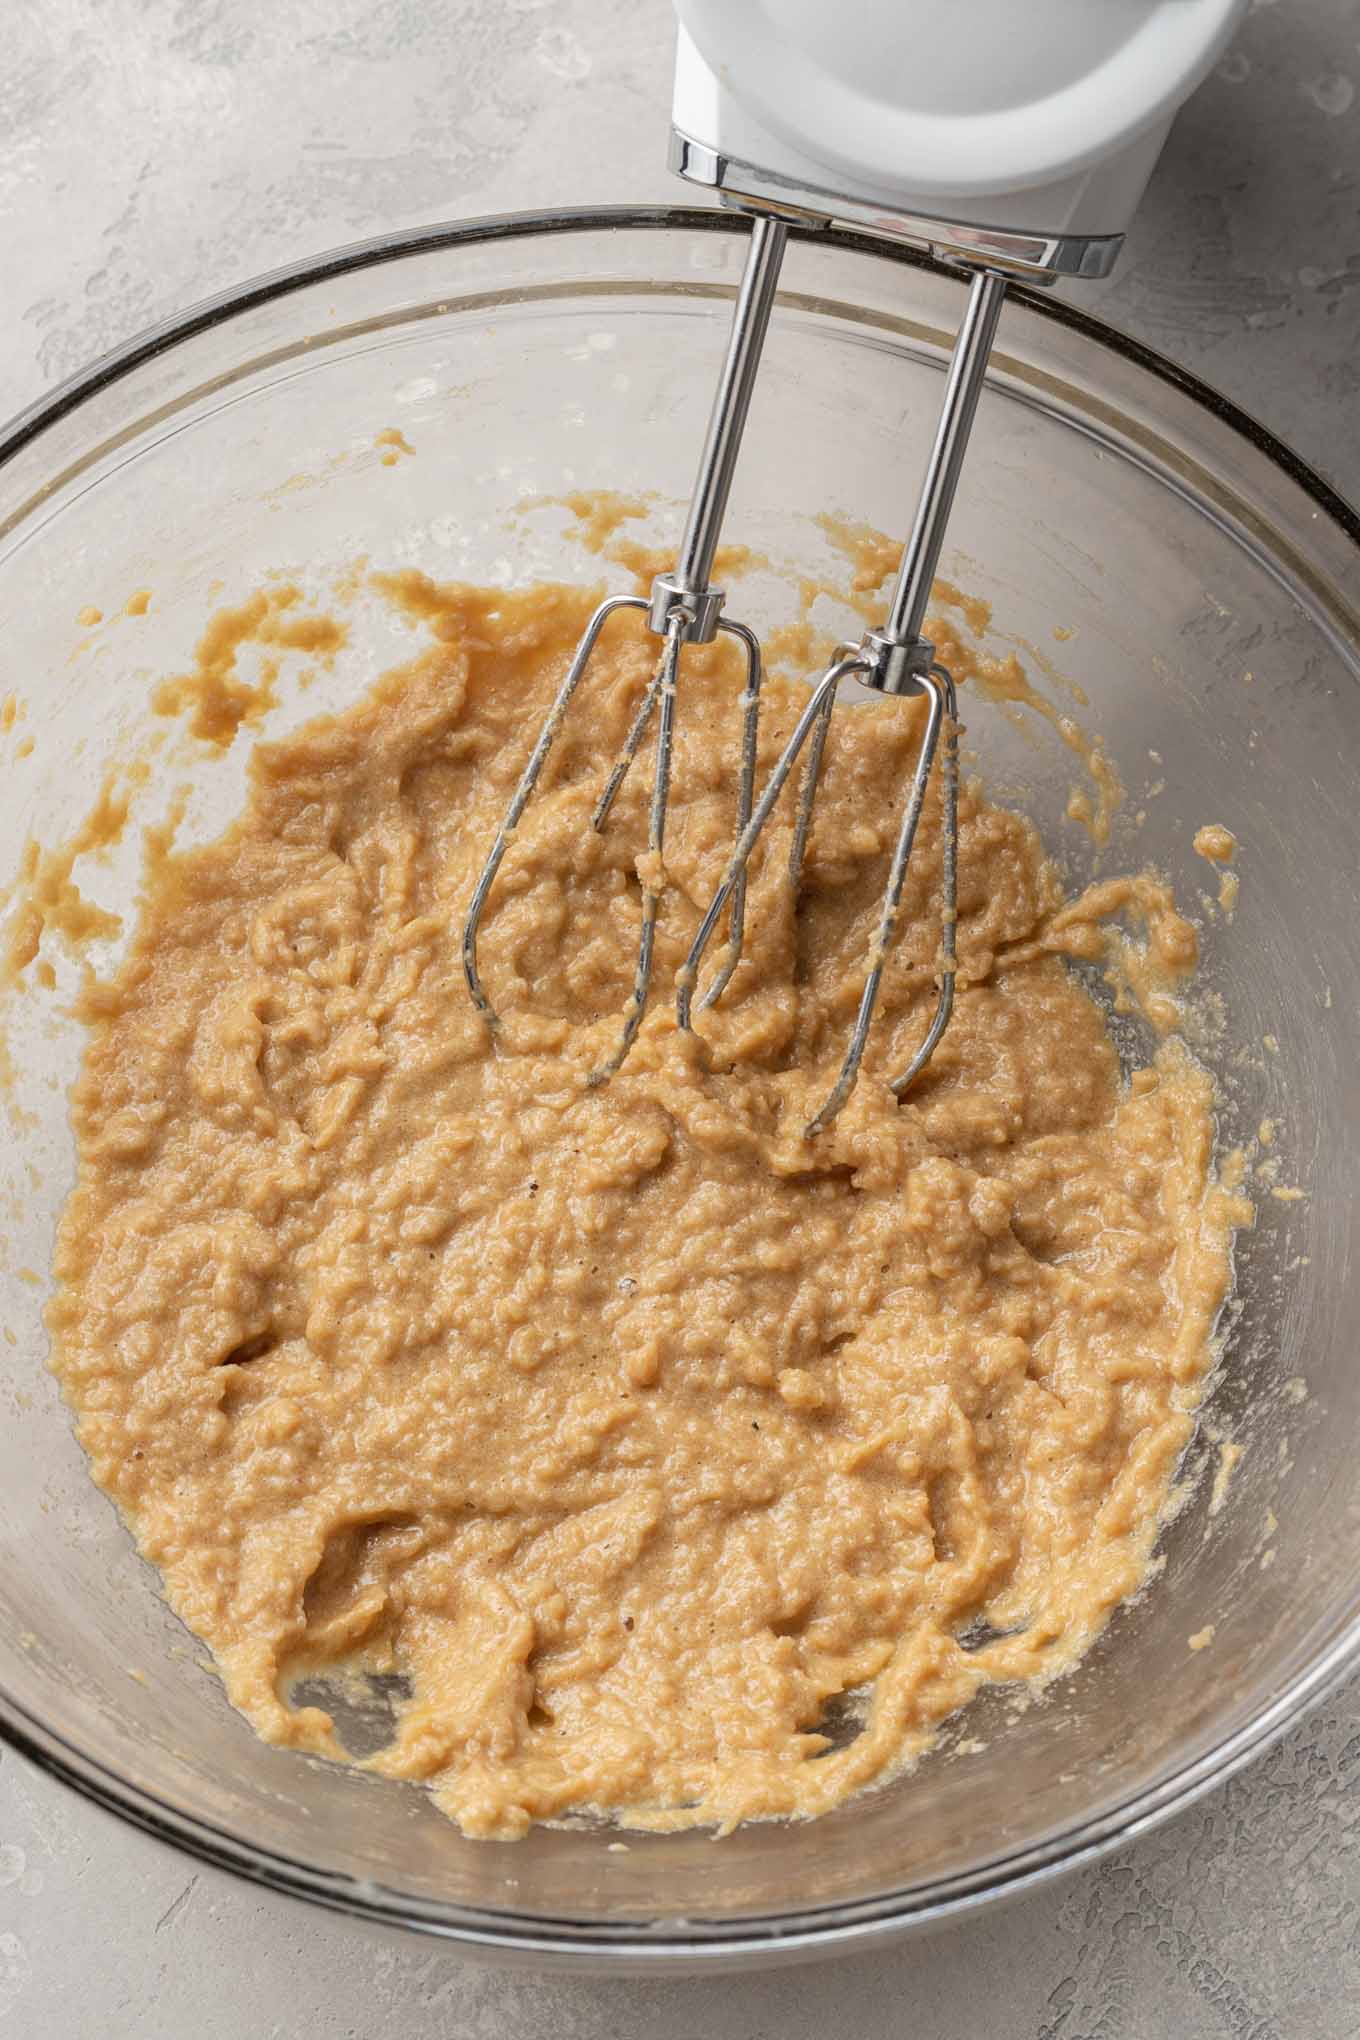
x=1020 y=134
x=1013 y=141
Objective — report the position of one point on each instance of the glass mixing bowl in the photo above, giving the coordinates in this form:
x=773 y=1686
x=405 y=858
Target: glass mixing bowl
x=1205 y=585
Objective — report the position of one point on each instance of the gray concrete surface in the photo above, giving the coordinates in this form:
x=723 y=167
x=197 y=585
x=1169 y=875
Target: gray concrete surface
x=154 y=150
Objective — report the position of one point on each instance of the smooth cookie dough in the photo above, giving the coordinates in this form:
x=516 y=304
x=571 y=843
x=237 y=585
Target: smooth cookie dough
x=625 y=1426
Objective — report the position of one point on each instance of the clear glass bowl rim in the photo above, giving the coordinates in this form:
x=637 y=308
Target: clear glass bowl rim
x=640 y=1945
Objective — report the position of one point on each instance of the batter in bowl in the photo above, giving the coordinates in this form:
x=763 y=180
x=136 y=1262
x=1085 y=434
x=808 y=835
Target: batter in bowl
x=627 y=1426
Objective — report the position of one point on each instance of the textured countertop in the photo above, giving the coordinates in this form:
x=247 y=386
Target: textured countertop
x=152 y=151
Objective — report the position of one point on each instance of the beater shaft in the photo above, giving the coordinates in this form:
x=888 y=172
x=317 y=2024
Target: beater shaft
x=731 y=403
x=967 y=373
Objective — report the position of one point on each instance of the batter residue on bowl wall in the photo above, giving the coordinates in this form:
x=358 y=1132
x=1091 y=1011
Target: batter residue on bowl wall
x=628 y=1426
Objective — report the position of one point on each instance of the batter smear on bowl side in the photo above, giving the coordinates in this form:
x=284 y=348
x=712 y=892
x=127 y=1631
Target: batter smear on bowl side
x=624 y=1428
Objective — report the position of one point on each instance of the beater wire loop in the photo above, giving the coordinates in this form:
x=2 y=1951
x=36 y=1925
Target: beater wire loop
x=940 y=719
x=662 y=689
x=817 y=709
x=523 y=793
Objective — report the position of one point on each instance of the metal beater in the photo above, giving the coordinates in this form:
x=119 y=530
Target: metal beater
x=864 y=114
x=683 y=608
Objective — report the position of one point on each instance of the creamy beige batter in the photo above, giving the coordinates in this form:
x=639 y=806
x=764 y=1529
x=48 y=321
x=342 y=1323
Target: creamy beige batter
x=628 y=1425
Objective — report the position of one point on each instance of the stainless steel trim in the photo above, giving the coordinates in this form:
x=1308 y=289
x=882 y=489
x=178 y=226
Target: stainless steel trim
x=1042 y=257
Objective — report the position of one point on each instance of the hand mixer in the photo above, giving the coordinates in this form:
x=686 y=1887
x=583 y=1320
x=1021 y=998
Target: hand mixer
x=1011 y=141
